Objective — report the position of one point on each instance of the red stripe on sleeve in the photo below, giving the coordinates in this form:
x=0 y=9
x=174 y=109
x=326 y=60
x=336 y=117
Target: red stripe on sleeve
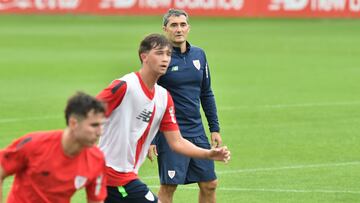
x=168 y=123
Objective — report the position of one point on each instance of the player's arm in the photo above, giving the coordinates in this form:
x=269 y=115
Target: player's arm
x=216 y=140
x=96 y=190
x=2 y=177
x=13 y=159
x=112 y=95
x=208 y=104
x=152 y=152
x=180 y=145
x=183 y=146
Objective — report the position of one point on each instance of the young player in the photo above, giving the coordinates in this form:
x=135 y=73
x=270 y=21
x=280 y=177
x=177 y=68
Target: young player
x=51 y=166
x=137 y=109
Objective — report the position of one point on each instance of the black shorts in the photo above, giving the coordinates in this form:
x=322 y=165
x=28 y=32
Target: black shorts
x=133 y=192
x=177 y=169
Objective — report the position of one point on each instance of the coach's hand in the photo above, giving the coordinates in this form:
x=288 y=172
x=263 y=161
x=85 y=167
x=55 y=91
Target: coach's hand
x=220 y=154
x=216 y=140
x=151 y=152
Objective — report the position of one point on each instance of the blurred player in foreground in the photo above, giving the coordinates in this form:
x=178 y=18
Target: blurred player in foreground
x=136 y=109
x=51 y=166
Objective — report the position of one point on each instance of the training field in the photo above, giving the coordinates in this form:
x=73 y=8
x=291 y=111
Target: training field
x=288 y=95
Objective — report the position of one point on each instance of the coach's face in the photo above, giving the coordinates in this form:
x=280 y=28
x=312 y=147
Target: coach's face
x=177 y=29
x=88 y=130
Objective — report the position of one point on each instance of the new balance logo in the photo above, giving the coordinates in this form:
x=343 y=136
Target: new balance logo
x=175 y=68
x=288 y=5
x=145 y=115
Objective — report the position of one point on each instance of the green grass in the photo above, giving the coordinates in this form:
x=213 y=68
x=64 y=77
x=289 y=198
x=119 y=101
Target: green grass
x=287 y=94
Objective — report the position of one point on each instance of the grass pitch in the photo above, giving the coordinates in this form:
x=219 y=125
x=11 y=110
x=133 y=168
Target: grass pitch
x=287 y=93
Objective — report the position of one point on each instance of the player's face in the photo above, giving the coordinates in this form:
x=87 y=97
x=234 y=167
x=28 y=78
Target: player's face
x=177 y=29
x=158 y=59
x=89 y=129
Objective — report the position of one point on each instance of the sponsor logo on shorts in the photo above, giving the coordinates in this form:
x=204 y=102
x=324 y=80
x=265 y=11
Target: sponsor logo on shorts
x=171 y=174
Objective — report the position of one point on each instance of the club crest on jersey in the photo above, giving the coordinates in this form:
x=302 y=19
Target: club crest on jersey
x=197 y=64
x=79 y=182
x=171 y=174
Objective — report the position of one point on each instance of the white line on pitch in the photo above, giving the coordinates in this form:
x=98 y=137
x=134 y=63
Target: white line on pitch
x=279 y=106
x=6 y=186
x=324 y=165
x=12 y=120
x=254 y=170
x=270 y=190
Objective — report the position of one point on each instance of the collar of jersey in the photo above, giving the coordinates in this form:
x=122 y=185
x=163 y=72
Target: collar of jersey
x=178 y=51
x=150 y=94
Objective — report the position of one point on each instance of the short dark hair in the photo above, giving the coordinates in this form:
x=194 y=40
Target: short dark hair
x=80 y=104
x=174 y=12
x=152 y=41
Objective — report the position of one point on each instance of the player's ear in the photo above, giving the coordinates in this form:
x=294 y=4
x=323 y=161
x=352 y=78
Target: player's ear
x=143 y=57
x=73 y=122
x=164 y=28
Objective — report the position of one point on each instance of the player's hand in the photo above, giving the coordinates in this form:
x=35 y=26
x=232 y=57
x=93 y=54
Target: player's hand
x=216 y=140
x=220 y=154
x=151 y=152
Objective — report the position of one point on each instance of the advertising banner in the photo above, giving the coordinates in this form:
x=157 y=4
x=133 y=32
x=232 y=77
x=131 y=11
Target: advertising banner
x=235 y=8
x=158 y=7
x=43 y=6
x=309 y=8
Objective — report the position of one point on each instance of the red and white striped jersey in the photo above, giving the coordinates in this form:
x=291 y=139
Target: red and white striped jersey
x=134 y=116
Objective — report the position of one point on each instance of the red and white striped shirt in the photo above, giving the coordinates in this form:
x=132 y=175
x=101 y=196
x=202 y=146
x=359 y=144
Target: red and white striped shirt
x=134 y=116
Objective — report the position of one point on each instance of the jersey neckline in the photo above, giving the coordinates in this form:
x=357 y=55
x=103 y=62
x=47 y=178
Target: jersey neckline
x=150 y=94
